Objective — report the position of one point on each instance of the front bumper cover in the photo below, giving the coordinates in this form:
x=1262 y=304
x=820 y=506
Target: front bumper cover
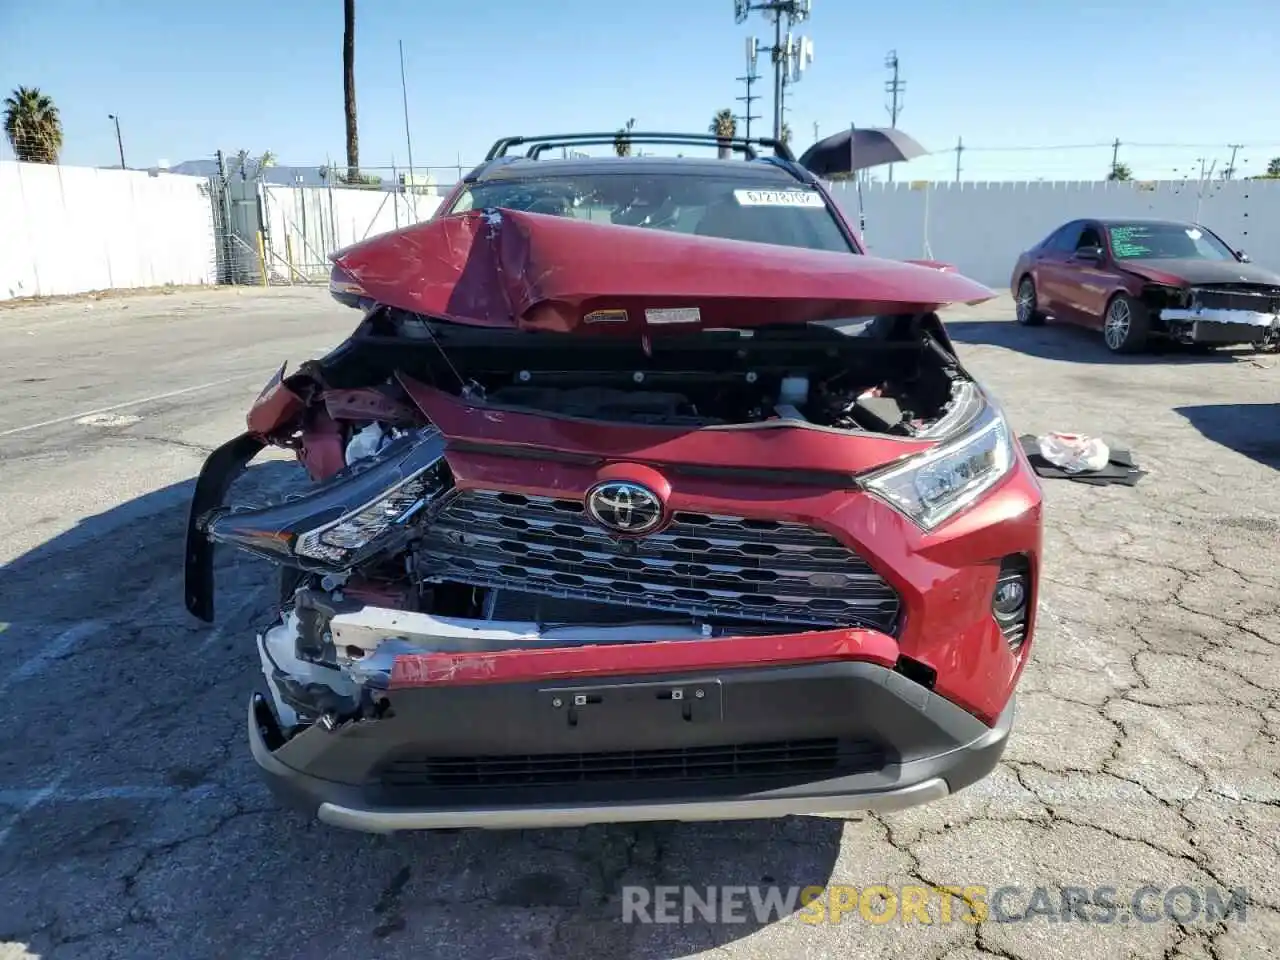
x=1222 y=327
x=922 y=748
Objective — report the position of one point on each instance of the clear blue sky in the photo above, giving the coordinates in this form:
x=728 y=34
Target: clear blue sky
x=190 y=76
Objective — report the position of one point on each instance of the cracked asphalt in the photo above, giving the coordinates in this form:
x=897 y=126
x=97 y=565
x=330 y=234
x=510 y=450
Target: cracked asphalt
x=1146 y=750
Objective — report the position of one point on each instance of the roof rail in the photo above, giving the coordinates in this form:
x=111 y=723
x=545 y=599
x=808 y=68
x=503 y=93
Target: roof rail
x=552 y=141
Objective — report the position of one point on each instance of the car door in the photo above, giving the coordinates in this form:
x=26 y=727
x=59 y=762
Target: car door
x=1088 y=277
x=1049 y=265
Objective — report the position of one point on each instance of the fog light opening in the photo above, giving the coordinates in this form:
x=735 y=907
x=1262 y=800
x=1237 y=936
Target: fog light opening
x=1010 y=600
x=917 y=672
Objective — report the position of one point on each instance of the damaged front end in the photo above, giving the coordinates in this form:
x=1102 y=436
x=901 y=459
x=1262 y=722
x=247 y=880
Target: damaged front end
x=390 y=554
x=1218 y=314
x=502 y=510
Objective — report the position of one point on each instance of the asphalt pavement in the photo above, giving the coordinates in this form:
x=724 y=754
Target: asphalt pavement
x=1144 y=759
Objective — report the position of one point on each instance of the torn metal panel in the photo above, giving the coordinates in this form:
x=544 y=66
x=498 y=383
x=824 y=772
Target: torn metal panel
x=367 y=628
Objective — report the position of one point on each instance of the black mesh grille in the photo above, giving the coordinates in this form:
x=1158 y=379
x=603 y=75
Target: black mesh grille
x=732 y=761
x=1259 y=299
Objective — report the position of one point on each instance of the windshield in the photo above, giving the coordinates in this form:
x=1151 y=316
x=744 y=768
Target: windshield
x=1165 y=241
x=711 y=206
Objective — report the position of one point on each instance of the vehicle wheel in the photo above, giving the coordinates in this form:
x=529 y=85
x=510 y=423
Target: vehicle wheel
x=1125 y=325
x=1025 y=304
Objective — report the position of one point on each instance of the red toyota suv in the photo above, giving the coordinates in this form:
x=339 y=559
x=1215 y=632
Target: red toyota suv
x=639 y=492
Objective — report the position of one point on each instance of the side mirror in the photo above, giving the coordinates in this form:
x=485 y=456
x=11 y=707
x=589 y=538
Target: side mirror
x=1243 y=257
x=1091 y=254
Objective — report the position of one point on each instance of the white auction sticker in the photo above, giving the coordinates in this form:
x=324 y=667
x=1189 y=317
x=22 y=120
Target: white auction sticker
x=778 y=198
x=677 y=315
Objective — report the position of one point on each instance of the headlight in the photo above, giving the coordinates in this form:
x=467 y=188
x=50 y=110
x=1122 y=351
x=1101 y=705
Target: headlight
x=355 y=531
x=936 y=486
x=362 y=511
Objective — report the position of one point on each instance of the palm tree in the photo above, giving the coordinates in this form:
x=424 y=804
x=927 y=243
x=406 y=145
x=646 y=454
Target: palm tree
x=622 y=142
x=725 y=126
x=786 y=134
x=32 y=124
x=1121 y=172
x=1273 y=167
x=349 y=87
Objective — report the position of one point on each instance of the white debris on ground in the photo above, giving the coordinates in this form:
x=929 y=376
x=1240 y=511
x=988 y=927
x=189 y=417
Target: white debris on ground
x=108 y=420
x=1073 y=452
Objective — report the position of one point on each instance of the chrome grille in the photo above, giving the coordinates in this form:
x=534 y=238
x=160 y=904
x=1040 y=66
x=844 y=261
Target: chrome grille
x=708 y=567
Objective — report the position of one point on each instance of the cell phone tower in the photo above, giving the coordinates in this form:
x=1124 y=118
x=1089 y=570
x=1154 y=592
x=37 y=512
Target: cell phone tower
x=790 y=57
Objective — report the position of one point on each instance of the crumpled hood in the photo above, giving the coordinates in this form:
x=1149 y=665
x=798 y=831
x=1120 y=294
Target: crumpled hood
x=1190 y=272
x=540 y=272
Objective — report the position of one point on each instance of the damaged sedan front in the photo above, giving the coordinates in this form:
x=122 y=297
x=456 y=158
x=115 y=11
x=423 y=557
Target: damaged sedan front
x=614 y=524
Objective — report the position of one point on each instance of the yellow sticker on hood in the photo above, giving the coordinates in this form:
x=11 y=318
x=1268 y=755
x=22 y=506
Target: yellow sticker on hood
x=606 y=316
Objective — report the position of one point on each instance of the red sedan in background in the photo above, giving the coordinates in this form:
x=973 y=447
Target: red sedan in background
x=1142 y=279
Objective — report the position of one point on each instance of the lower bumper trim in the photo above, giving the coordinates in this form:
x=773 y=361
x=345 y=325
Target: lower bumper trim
x=390 y=821
x=932 y=749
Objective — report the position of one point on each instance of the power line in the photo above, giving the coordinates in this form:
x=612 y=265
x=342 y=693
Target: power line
x=1055 y=146
x=1114 y=144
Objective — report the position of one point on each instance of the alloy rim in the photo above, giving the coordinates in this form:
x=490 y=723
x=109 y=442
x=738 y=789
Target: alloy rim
x=1117 y=328
x=1026 y=297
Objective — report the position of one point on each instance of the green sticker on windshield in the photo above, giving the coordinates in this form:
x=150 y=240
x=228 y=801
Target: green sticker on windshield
x=1124 y=241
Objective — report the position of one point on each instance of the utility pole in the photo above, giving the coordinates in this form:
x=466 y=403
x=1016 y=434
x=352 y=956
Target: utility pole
x=777 y=74
x=404 y=94
x=959 y=150
x=1230 y=172
x=119 y=142
x=784 y=56
x=753 y=49
x=1115 y=155
x=893 y=87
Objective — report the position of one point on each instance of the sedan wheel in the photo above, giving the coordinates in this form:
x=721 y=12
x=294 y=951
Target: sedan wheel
x=1125 y=325
x=1025 y=305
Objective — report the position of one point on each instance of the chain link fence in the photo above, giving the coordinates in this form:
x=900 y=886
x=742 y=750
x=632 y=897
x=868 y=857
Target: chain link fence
x=279 y=223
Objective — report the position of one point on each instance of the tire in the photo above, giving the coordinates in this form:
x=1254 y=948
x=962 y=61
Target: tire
x=1126 y=325
x=1025 y=304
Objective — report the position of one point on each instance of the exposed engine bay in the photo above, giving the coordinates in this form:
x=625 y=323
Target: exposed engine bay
x=883 y=375
x=384 y=554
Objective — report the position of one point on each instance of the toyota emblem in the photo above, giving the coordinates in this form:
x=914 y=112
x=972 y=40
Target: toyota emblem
x=624 y=507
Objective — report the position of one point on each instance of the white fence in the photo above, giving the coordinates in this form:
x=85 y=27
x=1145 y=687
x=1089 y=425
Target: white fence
x=70 y=230
x=982 y=227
